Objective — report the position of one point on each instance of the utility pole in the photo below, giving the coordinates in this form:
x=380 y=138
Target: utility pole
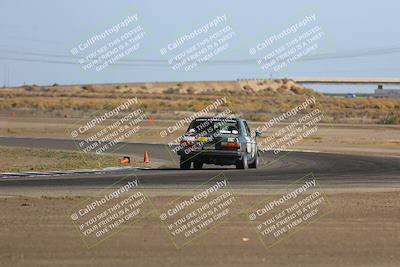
x=6 y=79
x=4 y=76
x=8 y=75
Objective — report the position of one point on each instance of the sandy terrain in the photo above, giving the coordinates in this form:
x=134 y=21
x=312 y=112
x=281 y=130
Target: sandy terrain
x=363 y=229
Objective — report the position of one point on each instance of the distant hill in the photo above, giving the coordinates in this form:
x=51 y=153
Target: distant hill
x=271 y=87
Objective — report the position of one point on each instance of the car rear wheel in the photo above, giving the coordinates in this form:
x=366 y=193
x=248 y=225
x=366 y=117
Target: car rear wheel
x=255 y=162
x=242 y=164
x=184 y=163
x=198 y=164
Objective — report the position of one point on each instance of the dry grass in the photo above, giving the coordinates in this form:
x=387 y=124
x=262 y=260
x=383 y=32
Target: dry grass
x=16 y=159
x=253 y=100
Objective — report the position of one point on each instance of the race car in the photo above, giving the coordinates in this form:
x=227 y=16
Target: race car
x=219 y=141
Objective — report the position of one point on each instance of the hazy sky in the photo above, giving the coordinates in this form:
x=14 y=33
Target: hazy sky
x=361 y=39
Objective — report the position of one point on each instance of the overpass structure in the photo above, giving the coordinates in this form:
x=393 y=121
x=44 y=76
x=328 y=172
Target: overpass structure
x=338 y=80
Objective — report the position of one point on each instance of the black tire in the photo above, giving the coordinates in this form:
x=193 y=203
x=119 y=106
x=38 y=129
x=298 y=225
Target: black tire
x=198 y=164
x=185 y=163
x=242 y=164
x=255 y=163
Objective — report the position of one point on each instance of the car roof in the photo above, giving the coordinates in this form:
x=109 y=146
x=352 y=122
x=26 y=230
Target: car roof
x=217 y=119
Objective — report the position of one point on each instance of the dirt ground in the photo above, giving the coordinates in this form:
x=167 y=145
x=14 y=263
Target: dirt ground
x=363 y=229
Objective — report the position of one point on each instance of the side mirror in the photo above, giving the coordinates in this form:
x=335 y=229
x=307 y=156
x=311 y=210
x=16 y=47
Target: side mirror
x=258 y=133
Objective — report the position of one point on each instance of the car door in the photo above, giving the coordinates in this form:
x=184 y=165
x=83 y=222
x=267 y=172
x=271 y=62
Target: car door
x=250 y=141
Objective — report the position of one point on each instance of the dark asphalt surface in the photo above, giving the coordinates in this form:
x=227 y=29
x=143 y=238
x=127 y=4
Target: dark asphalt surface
x=330 y=169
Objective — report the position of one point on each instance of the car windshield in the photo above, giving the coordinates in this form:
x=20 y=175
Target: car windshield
x=220 y=126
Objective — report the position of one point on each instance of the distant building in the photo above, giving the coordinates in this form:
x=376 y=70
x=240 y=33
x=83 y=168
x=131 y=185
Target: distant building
x=387 y=93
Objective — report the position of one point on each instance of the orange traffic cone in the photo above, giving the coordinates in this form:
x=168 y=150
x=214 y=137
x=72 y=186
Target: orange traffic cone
x=125 y=160
x=146 y=157
x=150 y=120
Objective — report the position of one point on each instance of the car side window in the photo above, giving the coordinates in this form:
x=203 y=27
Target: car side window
x=246 y=127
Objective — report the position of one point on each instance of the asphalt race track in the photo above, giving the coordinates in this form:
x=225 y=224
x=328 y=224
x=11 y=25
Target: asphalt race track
x=348 y=171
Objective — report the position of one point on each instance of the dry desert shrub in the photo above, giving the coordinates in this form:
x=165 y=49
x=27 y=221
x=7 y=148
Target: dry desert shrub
x=392 y=118
x=171 y=91
x=259 y=100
